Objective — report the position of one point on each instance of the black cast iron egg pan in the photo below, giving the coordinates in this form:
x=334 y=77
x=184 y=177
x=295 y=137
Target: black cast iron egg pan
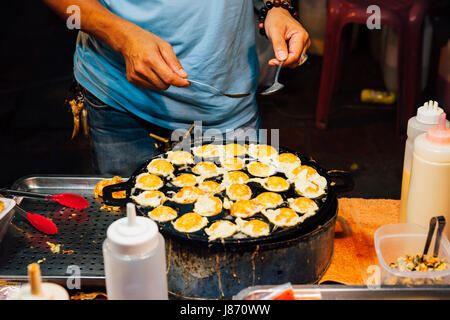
x=326 y=203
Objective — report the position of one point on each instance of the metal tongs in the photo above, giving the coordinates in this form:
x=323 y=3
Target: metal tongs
x=440 y=220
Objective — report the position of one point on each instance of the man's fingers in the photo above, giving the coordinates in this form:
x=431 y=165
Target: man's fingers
x=279 y=45
x=172 y=61
x=296 y=46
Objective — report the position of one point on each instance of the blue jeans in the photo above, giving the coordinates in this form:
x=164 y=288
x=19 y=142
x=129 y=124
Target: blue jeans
x=121 y=141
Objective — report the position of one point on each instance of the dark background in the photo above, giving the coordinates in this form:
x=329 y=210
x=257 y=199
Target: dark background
x=36 y=126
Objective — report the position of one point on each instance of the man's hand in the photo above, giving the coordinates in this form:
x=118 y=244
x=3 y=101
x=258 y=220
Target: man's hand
x=151 y=62
x=281 y=28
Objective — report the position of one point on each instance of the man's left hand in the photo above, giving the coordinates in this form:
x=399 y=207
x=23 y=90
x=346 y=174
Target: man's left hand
x=289 y=39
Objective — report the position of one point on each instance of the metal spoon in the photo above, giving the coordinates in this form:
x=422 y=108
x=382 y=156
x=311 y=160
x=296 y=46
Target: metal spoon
x=231 y=95
x=276 y=86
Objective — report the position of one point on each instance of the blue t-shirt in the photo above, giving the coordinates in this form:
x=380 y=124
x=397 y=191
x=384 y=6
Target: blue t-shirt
x=215 y=43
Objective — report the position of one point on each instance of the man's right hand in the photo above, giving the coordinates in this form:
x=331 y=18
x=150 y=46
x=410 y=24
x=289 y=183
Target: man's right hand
x=151 y=62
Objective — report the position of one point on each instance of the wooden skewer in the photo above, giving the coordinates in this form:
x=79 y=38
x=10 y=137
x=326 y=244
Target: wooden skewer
x=154 y=136
x=34 y=277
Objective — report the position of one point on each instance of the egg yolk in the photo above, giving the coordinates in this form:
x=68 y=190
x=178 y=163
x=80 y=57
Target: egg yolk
x=205 y=168
x=269 y=198
x=239 y=190
x=188 y=194
x=264 y=151
x=210 y=186
x=234 y=149
x=237 y=177
x=180 y=157
x=164 y=213
x=243 y=208
x=277 y=183
x=303 y=204
x=161 y=166
x=259 y=169
x=285 y=215
x=189 y=221
x=233 y=163
x=257 y=226
x=288 y=158
x=150 y=181
x=186 y=179
x=309 y=171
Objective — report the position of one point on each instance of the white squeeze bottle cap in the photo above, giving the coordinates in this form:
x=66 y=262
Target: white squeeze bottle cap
x=429 y=113
x=132 y=236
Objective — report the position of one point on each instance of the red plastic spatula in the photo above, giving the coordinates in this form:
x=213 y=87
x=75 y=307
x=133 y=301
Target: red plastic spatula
x=41 y=223
x=66 y=199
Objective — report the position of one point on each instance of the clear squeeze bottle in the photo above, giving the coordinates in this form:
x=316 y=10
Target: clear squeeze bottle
x=429 y=190
x=426 y=118
x=134 y=259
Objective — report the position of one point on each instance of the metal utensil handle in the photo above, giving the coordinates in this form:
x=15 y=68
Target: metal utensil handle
x=26 y=194
x=116 y=202
x=278 y=71
x=205 y=85
x=430 y=235
x=21 y=211
x=441 y=226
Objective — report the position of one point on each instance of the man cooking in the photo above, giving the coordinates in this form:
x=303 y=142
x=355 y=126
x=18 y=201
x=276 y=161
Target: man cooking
x=135 y=59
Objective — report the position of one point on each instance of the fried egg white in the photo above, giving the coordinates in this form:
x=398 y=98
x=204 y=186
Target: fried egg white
x=269 y=200
x=211 y=187
x=208 y=151
x=232 y=163
x=148 y=181
x=253 y=228
x=234 y=150
x=245 y=208
x=185 y=180
x=259 y=169
x=163 y=214
x=282 y=217
x=308 y=189
x=303 y=205
x=206 y=169
x=160 y=167
x=187 y=195
x=180 y=157
x=234 y=177
x=286 y=162
x=190 y=222
x=221 y=229
x=262 y=152
x=239 y=192
x=150 y=198
x=208 y=206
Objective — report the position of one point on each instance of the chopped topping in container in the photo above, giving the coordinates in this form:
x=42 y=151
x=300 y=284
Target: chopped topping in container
x=418 y=262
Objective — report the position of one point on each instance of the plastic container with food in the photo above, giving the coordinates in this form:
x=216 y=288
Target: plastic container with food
x=398 y=240
x=6 y=215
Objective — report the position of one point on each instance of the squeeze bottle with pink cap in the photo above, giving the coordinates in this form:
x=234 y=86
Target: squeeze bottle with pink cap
x=429 y=189
x=134 y=259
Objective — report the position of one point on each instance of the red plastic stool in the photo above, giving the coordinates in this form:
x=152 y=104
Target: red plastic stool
x=407 y=17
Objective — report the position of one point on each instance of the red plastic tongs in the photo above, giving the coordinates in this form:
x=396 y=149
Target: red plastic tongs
x=66 y=199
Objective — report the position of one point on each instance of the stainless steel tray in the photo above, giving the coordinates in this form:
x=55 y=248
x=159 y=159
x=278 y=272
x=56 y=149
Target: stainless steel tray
x=81 y=231
x=342 y=292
